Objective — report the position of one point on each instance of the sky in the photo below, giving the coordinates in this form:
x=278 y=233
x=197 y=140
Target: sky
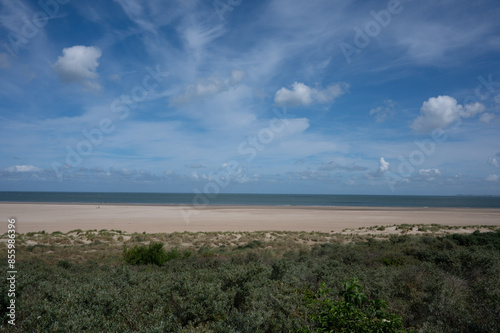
x=239 y=96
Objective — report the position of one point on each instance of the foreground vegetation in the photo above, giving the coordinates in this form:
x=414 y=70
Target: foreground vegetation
x=255 y=282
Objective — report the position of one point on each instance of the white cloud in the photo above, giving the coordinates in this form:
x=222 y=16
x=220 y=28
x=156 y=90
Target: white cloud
x=23 y=168
x=209 y=87
x=198 y=36
x=429 y=173
x=301 y=94
x=135 y=12
x=493 y=178
x=493 y=161
x=78 y=64
x=470 y=110
x=384 y=111
x=380 y=172
x=384 y=165
x=431 y=42
x=487 y=117
x=330 y=93
x=441 y=111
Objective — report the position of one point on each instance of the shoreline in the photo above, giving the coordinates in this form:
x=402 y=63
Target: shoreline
x=33 y=217
x=259 y=206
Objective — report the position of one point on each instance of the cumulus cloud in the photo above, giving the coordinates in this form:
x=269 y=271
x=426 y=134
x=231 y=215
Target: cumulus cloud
x=493 y=178
x=384 y=111
x=302 y=94
x=441 y=111
x=383 y=165
x=209 y=87
x=78 y=64
x=23 y=168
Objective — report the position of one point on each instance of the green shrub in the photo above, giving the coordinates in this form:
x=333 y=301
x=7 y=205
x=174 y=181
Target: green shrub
x=396 y=261
x=154 y=253
x=354 y=314
x=30 y=248
x=436 y=284
x=250 y=245
x=172 y=254
x=477 y=238
x=64 y=264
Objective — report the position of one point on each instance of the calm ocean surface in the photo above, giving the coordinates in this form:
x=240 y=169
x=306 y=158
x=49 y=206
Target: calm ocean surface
x=256 y=199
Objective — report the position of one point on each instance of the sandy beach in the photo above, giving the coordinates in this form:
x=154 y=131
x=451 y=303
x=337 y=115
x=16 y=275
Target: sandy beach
x=154 y=218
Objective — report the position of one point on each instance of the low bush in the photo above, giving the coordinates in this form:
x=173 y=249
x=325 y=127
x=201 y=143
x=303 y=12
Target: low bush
x=477 y=238
x=424 y=284
x=64 y=264
x=355 y=313
x=154 y=254
x=251 y=245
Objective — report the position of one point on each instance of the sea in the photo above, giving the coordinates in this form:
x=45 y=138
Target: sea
x=254 y=199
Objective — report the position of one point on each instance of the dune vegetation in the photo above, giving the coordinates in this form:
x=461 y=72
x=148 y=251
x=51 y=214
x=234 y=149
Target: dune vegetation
x=431 y=280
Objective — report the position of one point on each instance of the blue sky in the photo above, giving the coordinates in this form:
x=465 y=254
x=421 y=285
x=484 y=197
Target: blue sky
x=341 y=97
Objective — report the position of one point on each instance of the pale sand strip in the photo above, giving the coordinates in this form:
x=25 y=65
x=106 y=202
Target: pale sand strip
x=155 y=218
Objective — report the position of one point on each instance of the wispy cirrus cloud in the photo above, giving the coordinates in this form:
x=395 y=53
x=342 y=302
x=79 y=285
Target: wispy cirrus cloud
x=209 y=87
x=228 y=79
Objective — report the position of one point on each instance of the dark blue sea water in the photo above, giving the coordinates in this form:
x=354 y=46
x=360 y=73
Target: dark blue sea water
x=255 y=199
